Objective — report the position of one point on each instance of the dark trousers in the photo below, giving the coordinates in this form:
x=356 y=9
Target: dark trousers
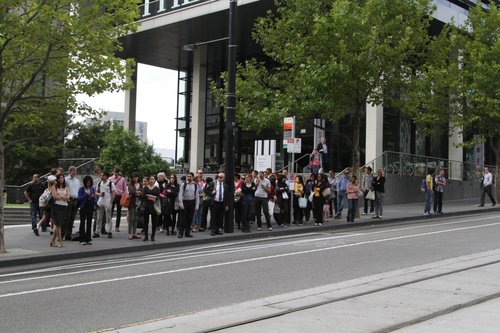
x=172 y=214
x=285 y=211
x=205 y=207
x=318 y=203
x=369 y=202
x=298 y=213
x=216 y=216
x=116 y=203
x=307 y=210
x=262 y=204
x=154 y=223
x=353 y=206
x=69 y=221
x=186 y=217
x=333 y=205
x=36 y=213
x=237 y=213
x=487 y=190
x=438 y=202
x=86 y=214
x=246 y=214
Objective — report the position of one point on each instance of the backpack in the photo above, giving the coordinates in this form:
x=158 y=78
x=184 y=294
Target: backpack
x=99 y=187
x=44 y=199
x=423 y=186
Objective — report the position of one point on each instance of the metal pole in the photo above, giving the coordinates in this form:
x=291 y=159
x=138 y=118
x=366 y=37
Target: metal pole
x=230 y=116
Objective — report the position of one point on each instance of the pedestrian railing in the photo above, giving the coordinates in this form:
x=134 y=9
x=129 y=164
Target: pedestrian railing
x=418 y=166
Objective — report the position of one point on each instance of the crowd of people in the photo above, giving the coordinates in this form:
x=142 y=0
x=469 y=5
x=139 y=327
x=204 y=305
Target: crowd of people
x=180 y=207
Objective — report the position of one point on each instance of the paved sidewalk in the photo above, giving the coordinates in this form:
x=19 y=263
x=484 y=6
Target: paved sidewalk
x=459 y=295
x=25 y=248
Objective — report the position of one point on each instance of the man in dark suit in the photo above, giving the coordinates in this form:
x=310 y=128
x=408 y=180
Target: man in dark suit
x=219 y=205
x=323 y=150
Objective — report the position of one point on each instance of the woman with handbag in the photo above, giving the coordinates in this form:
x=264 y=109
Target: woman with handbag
x=378 y=186
x=283 y=201
x=298 y=195
x=319 y=187
x=135 y=192
x=367 y=185
x=150 y=195
x=308 y=191
x=248 y=189
x=352 y=198
x=172 y=192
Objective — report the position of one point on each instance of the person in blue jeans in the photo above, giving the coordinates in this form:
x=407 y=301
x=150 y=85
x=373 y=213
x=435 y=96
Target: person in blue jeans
x=341 y=192
x=32 y=193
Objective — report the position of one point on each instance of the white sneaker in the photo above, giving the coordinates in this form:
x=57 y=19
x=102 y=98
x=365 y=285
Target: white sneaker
x=259 y=229
x=270 y=229
x=364 y=213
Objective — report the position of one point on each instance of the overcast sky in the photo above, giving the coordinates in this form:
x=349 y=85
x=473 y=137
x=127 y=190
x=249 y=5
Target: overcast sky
x=156 y=103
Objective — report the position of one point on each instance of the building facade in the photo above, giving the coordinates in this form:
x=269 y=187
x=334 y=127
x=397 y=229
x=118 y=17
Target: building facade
x=190 y=36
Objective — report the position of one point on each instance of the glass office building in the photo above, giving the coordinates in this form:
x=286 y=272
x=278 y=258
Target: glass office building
x=190 y=36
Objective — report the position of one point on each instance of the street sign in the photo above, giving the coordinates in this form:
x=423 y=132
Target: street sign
x=294 y=145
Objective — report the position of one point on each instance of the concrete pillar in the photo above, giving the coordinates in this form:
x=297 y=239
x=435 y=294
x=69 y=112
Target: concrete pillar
x=131 y=103
x=455 y=153
x=374 y=135
x=198 y=108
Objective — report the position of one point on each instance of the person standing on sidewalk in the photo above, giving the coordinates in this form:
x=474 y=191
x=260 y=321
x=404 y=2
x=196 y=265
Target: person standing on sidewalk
x=219 y=206
x=378 y=186
x=261 y=200
x=106 y=194
x=172 y=195
x=487 y=186
x=120 y=189
x=318 y=199
x=352 y=197
x=332 y=181
x=342 y=189
x=429 y=191
x=440 y=182
x=60 y=194
x=135 y=192
x=189 y=202
x=247 y=201
x=32 y=193
x=73 y=183
x=367 y=185
x=86 y=200
x=150 y=194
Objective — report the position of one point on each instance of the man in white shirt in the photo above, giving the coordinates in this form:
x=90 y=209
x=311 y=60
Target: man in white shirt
x=74 y=185
x=105 y=191
x=261 y=200
x=487 y=186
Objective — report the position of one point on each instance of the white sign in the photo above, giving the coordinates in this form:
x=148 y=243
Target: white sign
x=294 y=145
x=262 y=162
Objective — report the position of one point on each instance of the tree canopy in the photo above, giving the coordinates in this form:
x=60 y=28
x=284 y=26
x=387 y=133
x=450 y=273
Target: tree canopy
x=51 y=50
x=329 y=58
x=125 y=150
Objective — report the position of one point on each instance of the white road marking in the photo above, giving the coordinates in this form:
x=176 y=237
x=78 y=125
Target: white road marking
x=223 y=251
x=242 y=261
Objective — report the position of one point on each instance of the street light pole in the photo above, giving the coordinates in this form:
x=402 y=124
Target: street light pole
x=230 y=116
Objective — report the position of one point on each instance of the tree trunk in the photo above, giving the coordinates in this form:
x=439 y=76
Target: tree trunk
x=2 y=181
x=356 y=128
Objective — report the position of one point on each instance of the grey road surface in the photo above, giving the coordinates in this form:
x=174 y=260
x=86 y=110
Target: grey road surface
x=113 y=292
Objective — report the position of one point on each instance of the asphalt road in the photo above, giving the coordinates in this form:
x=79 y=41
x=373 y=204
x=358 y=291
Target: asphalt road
x=112 y=292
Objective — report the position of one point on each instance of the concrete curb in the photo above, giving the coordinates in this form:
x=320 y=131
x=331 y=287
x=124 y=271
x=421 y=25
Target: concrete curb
x=44 y=258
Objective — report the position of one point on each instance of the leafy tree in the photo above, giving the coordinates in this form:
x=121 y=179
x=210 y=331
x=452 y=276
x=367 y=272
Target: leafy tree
x=86 y=140
x=460 y=84
x=51 y=50
x=124 y=149
x=328 y=58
